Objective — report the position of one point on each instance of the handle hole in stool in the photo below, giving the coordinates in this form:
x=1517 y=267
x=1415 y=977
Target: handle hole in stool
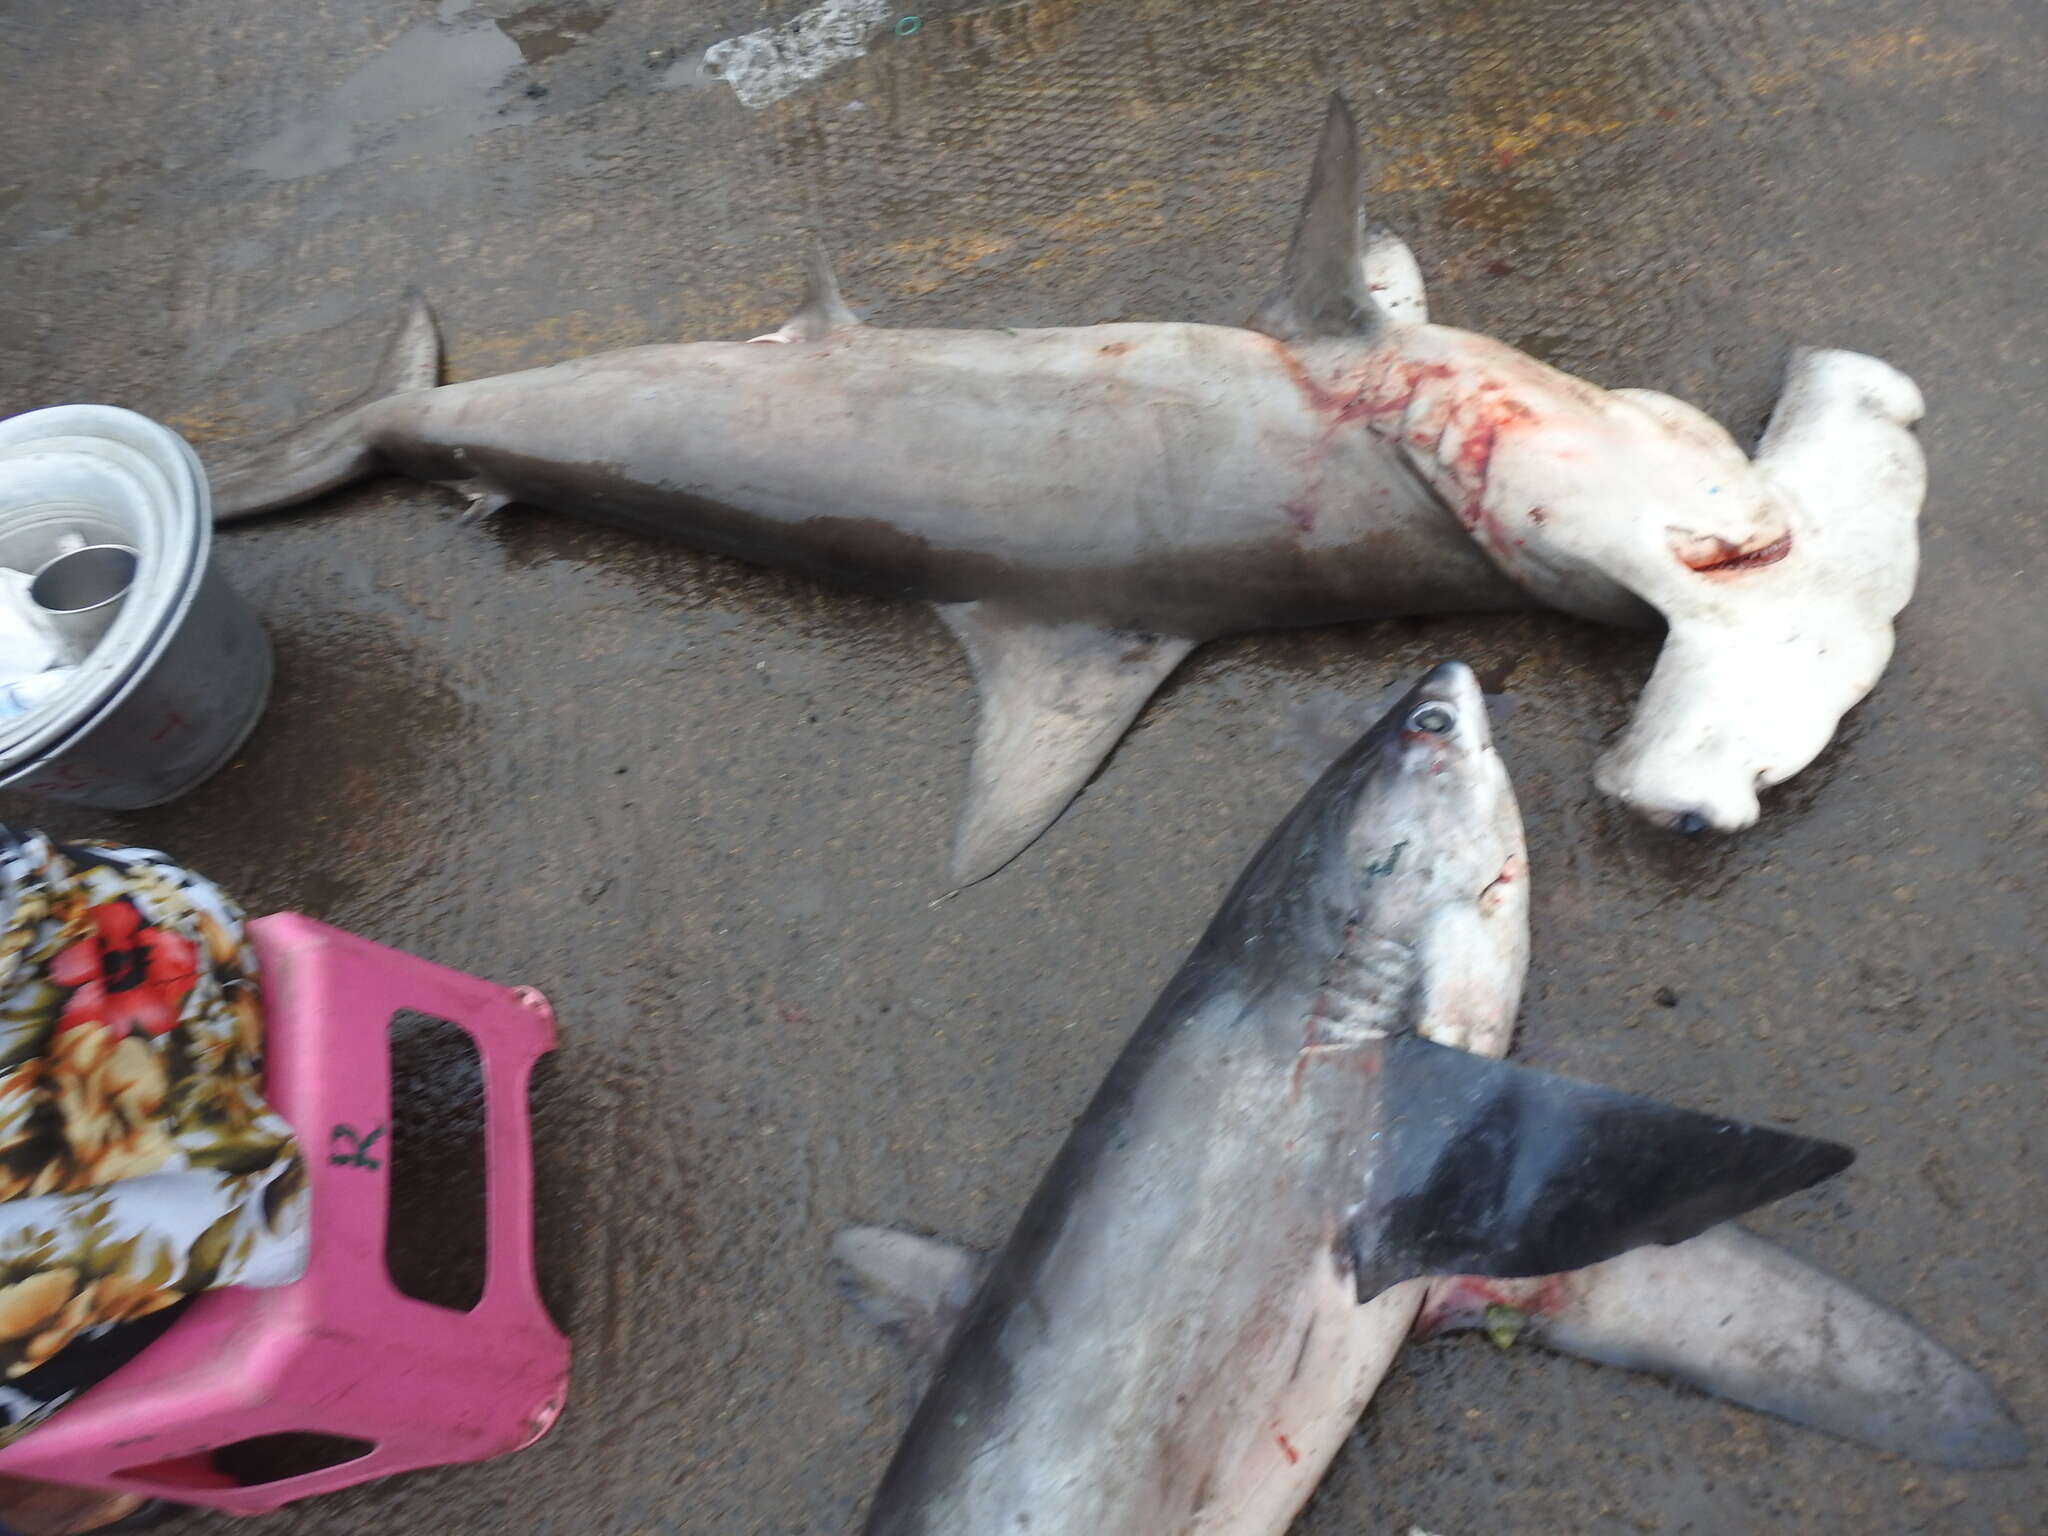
x=257 y=1460
x=435 y=1247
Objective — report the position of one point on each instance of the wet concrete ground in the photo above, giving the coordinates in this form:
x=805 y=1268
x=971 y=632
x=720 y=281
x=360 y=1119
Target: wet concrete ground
x=705 y=807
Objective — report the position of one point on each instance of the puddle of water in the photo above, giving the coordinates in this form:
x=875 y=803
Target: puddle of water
x=553 y=27
x=434 y=84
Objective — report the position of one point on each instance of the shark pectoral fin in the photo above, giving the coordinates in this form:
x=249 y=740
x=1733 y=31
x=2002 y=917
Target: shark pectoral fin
x=1483 y=1167
x=1394 y=278
x=1739 y=1317
x=823 y=311
x=1323 y=289
x=1054 y=700
x=914 y=1289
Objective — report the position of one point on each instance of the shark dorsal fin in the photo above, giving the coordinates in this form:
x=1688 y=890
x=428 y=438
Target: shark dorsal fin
x=823 y=311
x=1323 y=289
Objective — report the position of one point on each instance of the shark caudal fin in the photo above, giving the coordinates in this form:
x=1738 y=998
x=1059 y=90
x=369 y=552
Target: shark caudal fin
x=1324 y=290
x=1482 y=1167
x=331 y=449
x=1739 y=1317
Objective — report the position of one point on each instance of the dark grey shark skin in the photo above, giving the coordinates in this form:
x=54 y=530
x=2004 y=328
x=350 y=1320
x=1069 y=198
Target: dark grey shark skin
x=1188 y=1318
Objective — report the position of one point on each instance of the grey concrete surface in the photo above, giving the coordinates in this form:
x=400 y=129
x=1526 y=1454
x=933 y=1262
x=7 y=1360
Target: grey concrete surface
x=706 y=807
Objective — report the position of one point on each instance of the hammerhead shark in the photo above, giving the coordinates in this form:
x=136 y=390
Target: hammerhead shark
x=1084 y=505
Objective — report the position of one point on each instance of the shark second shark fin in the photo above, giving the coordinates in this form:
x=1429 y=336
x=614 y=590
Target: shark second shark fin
x=1323 y=287
x=1739 y=1317
x=331 y=449
x=1054 y=699
x=914 y=1289
x=823 y=311
x=1482 y=1167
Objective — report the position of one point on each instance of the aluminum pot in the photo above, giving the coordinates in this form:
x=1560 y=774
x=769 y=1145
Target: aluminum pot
x=173 y=685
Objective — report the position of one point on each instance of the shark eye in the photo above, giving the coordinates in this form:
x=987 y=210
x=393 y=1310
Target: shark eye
x=1436 y=719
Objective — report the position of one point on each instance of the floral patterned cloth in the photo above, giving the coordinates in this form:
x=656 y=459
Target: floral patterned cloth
x=139 y=1163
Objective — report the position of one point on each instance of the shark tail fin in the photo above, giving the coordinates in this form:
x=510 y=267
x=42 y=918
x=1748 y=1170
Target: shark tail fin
x=1739 y=1317
x=332 y=449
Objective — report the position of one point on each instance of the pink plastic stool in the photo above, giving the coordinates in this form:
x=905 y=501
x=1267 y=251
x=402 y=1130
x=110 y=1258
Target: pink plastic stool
x=342 y=1351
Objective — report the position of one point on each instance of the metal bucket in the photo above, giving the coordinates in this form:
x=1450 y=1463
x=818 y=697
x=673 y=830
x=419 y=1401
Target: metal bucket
x=175 y=669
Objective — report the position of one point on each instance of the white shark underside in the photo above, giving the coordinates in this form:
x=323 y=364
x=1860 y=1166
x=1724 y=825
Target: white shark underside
x=1084 y=505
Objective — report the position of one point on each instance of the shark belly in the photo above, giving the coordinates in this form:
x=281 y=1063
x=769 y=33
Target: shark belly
x=1113 y=1375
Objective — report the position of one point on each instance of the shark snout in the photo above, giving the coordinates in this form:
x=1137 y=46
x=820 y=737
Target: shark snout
x=1453 y=686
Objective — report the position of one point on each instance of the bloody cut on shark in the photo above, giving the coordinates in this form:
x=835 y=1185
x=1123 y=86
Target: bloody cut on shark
x=1307 y=1153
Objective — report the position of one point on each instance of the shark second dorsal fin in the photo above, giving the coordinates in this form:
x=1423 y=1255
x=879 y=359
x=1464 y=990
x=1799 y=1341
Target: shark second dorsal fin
x=1482 y=1167
x=1054 y=699
x=1323 y=290
x=823 y=311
